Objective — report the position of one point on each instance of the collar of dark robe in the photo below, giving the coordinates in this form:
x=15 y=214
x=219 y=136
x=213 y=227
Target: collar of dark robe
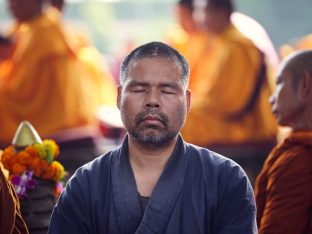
x=162 y=200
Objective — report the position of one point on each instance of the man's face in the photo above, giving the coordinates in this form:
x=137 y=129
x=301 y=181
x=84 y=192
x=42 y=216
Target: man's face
x=214 y=18
x=22 y=10
x=153 y=101
x=284 y=101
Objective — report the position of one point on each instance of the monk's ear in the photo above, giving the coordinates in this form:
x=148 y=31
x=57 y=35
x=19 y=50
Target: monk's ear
x=305 y=86
x=119 y=91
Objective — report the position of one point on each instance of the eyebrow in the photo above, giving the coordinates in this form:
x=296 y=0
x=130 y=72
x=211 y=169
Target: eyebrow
x=137 y=83
x=172 y=85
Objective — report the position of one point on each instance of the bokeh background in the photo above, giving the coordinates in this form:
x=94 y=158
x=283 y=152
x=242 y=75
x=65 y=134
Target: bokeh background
x=114 y=25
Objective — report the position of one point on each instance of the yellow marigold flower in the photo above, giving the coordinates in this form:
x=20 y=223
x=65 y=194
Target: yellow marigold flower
x=37 y=158
x=51 y=146
x=40 y=150
x=59 y=170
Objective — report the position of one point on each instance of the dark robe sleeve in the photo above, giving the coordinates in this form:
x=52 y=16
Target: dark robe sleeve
x=70 y=215
x=237 y=209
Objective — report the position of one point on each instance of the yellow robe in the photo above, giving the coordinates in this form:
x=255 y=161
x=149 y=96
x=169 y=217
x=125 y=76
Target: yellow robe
x=46 y=83
x=222 y=81
x=96 y=65
x=305 y=42
x=189 y=45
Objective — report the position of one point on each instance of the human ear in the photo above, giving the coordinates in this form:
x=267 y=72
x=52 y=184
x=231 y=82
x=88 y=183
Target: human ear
x=305 y=87
x=119 y=91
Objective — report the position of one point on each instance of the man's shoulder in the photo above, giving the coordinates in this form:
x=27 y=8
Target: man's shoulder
x=216 y=170
x=210 y=158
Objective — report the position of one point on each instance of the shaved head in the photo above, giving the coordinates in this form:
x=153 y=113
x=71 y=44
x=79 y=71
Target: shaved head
x=291 y=100
x=297 y=64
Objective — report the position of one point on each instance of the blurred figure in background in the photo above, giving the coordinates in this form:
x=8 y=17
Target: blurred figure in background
x=6 y=48
x=304 y=42
x=258 y=35
x=188 y=38
x=46 y=80
x=230 y=112
x=284 y=186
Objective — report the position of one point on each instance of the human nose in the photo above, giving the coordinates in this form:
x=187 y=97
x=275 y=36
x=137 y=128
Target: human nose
x=272 y=98
x=152 y=100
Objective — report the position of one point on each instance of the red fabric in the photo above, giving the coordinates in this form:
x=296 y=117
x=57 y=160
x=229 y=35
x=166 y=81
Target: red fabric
x=11 y=220
x=284 y=187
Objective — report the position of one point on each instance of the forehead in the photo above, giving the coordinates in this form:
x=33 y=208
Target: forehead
x=159 y=67
x=283 y=72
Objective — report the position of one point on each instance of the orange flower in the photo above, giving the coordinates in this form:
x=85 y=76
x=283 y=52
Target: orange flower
x=18 y=168
x=38 y=158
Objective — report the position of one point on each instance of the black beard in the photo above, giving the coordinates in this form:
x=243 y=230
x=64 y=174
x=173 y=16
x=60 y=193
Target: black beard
x=151 y=135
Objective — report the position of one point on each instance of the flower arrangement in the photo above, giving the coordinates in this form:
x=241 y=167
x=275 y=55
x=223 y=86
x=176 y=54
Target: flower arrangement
x=30 y=159
x=38 y=158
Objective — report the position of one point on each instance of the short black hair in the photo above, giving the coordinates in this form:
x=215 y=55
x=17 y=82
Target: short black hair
x=221 y=4
x=155 y=50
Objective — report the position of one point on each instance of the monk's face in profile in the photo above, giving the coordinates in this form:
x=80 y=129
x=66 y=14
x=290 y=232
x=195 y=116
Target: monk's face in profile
x=285 y=100
x=153 y=101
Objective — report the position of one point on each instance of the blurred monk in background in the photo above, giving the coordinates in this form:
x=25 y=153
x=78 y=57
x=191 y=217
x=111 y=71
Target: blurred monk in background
x=284 y=186
x=304 y=42
x=47 y=81
x=230 y=112
x=187 y=37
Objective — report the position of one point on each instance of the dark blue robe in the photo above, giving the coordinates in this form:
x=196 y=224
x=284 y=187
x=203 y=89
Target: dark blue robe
x=198 y=192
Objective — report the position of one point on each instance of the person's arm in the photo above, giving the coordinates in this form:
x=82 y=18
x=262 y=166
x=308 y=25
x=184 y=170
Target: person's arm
x=72 y=211
x=236 y=213
x=288 y=197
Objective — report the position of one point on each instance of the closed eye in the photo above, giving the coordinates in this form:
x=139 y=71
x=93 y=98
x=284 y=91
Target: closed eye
x=168 y=91
x=137 y=90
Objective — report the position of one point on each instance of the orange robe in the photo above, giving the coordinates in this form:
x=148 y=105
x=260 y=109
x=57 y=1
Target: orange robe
x=284 y=187
x=189 y=45
x=223 y=80
x=47 y=83
x=11 y=220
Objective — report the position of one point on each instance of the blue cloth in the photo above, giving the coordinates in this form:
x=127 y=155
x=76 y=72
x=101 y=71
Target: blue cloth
x=198 y=192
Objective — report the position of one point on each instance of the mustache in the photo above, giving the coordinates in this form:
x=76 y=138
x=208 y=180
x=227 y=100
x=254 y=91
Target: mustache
x=142 y=115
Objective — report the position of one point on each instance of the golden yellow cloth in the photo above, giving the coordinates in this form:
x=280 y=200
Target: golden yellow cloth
x=222 y=82
x=284 y=187
x=189 y=44
x=305 y=42
x=48 y=83
x=11 y=220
